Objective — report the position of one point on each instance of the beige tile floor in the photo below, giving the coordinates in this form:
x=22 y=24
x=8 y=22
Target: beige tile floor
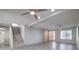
x=44 y=46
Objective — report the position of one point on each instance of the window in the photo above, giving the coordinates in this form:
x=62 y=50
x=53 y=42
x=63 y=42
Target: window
x=66 y=34
x=51 y=35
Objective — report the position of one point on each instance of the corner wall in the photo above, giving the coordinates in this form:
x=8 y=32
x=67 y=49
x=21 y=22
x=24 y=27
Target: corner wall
x=57 y=36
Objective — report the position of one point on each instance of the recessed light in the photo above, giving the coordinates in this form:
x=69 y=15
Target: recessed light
x=52 y=10
x=32 y=13
x=38 y=17
x=13 y=24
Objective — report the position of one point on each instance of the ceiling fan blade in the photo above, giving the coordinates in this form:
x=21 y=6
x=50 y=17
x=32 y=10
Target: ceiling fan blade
x=36 y=16
x=25 y=13
x=38 y=10
x=41 y=10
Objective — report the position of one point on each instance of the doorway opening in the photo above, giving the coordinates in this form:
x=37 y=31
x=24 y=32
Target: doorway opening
x=2 y=39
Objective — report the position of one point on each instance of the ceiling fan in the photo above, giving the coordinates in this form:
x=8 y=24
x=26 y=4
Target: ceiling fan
x=34 y=12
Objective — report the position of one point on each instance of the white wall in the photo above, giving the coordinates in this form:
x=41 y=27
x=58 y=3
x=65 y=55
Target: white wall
x=1 y=37
x=33 y=36
x=6 y=36
x=77 y=36
x=57 y=36
x=46 y=35
x=10 y=37
x=22 y=30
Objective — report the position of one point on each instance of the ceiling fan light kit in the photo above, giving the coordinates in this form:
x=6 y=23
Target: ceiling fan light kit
x=32 y=13
x=38 y=17
x=52 y=10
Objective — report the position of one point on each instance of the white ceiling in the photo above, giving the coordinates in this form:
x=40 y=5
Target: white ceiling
x=14 y=16
x=66 y=18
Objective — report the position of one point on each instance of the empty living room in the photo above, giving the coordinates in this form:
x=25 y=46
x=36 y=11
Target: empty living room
x=39 y=29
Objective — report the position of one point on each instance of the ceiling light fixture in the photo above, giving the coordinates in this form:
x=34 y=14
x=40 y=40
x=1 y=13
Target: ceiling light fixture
x=32 y=13
x=15 y=25
x=52 y=10
x=2 y=29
